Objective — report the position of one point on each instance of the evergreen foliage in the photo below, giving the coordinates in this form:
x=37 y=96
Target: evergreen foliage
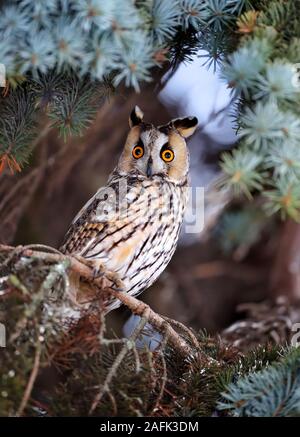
x=82 y=43
x=63 y=58
x=46 y=335
x=263 y=73
x=256 y=43
x=274 y=391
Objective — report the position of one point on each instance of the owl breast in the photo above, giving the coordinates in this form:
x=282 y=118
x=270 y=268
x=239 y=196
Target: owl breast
x=132 y=229
x=155 y=240
x=142 y=247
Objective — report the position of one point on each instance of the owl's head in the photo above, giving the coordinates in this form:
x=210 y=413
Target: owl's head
x=157 y=151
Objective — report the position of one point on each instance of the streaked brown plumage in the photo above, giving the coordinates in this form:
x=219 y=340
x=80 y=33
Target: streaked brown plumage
x=130 y=227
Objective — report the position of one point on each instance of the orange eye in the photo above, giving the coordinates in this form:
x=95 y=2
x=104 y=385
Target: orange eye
x=167 y=155
x=138 y=152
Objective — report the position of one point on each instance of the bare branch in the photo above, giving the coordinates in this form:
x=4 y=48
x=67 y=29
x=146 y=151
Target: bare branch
x=136 y=306
x=113 y=370
x=31 y=381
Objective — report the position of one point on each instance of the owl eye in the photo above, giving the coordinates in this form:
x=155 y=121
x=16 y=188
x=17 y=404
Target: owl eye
x=138 y=152
x=167 y=155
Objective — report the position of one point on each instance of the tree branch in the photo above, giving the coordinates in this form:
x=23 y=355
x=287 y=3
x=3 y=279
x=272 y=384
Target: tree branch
x=117 y=362
x=136 y=306
x=31 y=381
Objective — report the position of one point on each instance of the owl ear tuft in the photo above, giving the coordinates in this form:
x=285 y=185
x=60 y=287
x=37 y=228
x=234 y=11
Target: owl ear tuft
x=136 y=116
x=185 y=126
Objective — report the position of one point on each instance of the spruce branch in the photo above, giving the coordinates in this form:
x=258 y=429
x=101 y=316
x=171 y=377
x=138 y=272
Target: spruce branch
x=81 y=268
x=241 y=171
x=94 y=13
x=276 y=83
x=285 y=161
x=134 y=62
x=217 y=45
x=271 y=392
x=163 y=18
x=18 y=128
x=280 y=15
x=194 y=13
x=219 y=14
x=261 y=72
x=243 y=66
x=140 y=308
x=37 y=54
x=75 y=107
x=128 y=345
x=284 y=198
x=246 y=23
x=96 y=38
x=262 y=125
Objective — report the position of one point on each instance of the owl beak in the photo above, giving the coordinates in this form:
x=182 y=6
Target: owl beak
x=149 y=167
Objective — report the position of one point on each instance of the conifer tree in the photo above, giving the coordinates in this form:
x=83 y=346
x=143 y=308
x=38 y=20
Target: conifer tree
x=63 y=58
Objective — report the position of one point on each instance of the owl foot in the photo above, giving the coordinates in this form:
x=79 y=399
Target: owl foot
x=114 y=278
x=99 y=271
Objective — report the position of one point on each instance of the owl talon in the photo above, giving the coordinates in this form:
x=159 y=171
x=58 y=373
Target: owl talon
x=118 y=289
x=98 y=272
x=117 y=283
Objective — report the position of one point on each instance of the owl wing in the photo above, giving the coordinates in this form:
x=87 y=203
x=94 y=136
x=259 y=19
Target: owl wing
x=104 y=220
x=85 y=226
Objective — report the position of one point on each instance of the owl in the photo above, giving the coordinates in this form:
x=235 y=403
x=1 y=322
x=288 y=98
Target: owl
x=131 y=226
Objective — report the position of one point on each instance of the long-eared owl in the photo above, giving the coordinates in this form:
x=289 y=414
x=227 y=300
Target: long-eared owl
x=130 y=227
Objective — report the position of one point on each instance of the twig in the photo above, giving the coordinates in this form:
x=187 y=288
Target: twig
x=164 y=375
x=185 y=329
x=137 y=359
x=43 y=247
x=12 y=253
x=136 y=306
x=31 y=381
x=140 y=308
x=113 y=370
x=113 y=403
